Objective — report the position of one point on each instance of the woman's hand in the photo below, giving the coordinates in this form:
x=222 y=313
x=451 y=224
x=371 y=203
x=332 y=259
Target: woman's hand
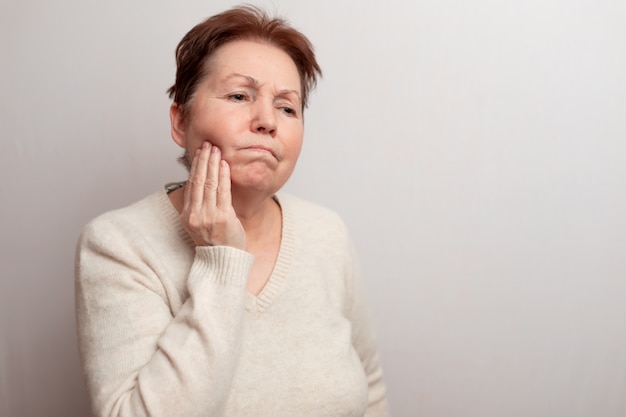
x=208 y=214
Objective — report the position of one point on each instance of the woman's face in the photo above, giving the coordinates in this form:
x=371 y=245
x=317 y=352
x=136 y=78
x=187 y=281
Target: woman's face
x=249 y=105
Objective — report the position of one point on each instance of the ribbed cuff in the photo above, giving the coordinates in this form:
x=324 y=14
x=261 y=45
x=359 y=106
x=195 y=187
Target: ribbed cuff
x=222 y=265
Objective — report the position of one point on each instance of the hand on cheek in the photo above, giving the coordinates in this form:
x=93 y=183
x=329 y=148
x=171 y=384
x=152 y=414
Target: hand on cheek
x=208 y=214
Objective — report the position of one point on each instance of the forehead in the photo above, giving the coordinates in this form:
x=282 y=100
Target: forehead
x=261 y=61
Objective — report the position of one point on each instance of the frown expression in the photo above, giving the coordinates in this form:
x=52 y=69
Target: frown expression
x=249 y=105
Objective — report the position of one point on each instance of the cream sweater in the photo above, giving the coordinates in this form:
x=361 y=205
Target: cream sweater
x=166 y=329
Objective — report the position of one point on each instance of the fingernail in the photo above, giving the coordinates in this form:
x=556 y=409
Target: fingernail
x=205 y=145
x=214 y=149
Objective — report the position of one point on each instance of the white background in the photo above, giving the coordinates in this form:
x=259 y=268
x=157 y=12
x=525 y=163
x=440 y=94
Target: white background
x=476 y=149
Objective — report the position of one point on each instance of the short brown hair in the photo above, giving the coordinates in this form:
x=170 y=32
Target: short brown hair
x=239 y=23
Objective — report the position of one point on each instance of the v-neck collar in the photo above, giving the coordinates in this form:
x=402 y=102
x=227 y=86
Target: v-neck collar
x=278 y=278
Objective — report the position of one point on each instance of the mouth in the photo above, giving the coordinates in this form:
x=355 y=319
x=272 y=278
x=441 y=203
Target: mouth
x=261 y=149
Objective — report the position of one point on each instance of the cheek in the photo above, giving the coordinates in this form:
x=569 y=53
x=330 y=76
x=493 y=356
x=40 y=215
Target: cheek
x=207 y=131
x=296 y=148
x=295 y=145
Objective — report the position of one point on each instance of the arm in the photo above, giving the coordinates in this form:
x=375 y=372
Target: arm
x=364 y=341
x=138 y=358
x=144 y=355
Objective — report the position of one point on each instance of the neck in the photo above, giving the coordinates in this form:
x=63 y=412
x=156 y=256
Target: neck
x=257 y=214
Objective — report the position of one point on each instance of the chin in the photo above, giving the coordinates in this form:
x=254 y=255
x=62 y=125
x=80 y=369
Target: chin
x=251 y=183
x=256 y=176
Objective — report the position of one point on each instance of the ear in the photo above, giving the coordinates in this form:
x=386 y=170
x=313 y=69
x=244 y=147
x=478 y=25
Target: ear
x=179 y=127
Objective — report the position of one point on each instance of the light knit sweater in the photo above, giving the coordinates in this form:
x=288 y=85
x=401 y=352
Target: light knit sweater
x=166 y=329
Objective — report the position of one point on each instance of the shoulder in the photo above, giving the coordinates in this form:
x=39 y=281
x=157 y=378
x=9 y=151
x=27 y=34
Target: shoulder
x=122 y=251
x=130 y=241
x=313 y=223
x=307 y=210
x=127 y=223
x=122 y=217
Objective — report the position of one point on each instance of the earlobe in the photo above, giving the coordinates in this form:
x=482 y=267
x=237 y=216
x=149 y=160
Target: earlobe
x=178 y=125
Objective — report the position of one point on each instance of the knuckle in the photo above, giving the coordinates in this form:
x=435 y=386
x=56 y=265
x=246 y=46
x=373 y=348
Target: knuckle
x=184 y=217
x=194 y=222
x=210 y=185
x=194 y=183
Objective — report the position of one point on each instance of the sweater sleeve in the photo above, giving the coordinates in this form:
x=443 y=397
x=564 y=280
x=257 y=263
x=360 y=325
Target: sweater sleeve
x=364 y=341
x=139 y=358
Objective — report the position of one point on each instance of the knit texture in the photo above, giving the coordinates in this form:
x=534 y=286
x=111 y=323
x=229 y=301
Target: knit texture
x=168 y=330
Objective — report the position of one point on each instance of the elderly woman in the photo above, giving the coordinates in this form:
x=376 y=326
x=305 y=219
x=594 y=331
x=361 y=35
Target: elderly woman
x=218 y=296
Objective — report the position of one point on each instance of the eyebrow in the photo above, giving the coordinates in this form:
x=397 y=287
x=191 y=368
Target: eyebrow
x=256 y=84
x=250 y=79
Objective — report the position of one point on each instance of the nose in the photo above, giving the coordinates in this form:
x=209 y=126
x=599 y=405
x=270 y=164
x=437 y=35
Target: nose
x=264 y=118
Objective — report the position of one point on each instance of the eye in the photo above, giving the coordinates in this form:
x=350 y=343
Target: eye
x=237 y=97
x=289 y=111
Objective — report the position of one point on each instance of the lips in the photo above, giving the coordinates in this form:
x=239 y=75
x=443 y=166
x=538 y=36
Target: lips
x=261 y=148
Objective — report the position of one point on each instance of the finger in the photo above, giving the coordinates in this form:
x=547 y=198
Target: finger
x=212 y=177
x=224 y=197
x=197 y=179
x=189 y=184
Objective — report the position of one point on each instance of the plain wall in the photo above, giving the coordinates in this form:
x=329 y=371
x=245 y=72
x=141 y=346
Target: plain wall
x=476 y=150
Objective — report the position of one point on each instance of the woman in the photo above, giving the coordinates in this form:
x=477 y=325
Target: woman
x=218 y=297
